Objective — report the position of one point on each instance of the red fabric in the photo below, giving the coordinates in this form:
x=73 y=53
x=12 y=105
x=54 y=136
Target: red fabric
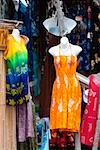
x=90 y=115
x=89 y=12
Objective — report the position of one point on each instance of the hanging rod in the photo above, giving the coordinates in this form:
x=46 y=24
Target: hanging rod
x=10 y=24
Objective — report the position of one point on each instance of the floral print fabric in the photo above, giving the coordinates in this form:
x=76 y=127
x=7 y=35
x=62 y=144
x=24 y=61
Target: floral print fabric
x=66 y=95
x=62 y=139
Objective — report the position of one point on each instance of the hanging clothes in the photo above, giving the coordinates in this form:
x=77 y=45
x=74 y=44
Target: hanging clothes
x=66 y=95
x=30 y=28
x=95 y=51
x=27 y=137
x=25 y=122
x=47 y=81
x=62 y=139
x=16 y=57
x=79 y=34
x=89 y=119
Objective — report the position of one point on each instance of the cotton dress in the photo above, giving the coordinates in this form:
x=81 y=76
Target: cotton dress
x=16 y=57
x=65 y=107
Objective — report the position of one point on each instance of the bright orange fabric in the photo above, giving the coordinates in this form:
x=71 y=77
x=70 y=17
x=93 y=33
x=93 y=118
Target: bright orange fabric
x=65 y=108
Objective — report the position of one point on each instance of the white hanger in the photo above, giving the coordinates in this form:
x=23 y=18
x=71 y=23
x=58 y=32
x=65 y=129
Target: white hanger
x=16 y=34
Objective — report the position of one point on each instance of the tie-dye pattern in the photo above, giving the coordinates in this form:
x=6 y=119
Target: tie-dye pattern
x=16 y=57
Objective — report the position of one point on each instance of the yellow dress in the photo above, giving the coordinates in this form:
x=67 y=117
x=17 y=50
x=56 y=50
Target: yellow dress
x=65 y=108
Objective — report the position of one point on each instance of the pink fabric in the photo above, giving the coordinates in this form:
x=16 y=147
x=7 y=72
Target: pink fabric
x=89 y=119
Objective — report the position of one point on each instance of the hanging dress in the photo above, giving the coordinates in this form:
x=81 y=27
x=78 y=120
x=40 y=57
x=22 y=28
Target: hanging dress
x=65 y=108
x=90 y=116
x=16 y=57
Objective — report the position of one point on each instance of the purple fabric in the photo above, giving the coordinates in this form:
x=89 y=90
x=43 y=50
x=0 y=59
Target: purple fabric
x=25 y=121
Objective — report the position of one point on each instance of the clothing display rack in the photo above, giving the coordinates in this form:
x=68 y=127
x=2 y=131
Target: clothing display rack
x=7 y=113
x=73 y=119
x=83 y=79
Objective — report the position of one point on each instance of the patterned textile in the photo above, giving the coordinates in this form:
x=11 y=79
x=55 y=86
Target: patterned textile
x=90 y=116
x=79 y=35
x=43 y=133
x=66 y=95
x=17 y=72
x=30 y=143
x=25 y=122
x=34 y=66
x=30 y=28
x=45 y=144
x=62 y=139
x=23 y=8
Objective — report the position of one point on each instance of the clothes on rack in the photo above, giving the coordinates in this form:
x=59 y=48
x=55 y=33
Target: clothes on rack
x=26 y=125
x=90 y=115
x=31 y=29
x=34 y=67
x=62 y=139
x=95 y=51
x=47 y=80
x=79 y=12
x=27 y=140
x=16 y=57
x=25 y=122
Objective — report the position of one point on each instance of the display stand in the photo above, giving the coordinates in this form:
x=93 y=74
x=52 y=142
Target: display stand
x=7 y=113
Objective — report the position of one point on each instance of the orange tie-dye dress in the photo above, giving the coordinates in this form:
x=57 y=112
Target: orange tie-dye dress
x=65 y=111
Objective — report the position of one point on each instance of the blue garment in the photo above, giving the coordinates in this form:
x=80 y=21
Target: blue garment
x=79 y=35
x=30 y=28
x=23 y=8
x=45 y=144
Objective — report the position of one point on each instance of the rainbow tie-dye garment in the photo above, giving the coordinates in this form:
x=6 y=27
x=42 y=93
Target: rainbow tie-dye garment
x=16 y=57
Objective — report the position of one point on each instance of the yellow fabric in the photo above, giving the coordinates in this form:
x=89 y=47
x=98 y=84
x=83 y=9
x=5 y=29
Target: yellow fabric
x=65 y=108
x=13 y=46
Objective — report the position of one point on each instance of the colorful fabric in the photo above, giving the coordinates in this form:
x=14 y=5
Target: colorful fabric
x=89 y=120
x=25 y=122
x=30 y=29
x=23 y=8
x=79 y=35
x=66 y=95
x=35 y=76
x=45 y=144
x=30 y=143
x=62 y=139
x=16 y=57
